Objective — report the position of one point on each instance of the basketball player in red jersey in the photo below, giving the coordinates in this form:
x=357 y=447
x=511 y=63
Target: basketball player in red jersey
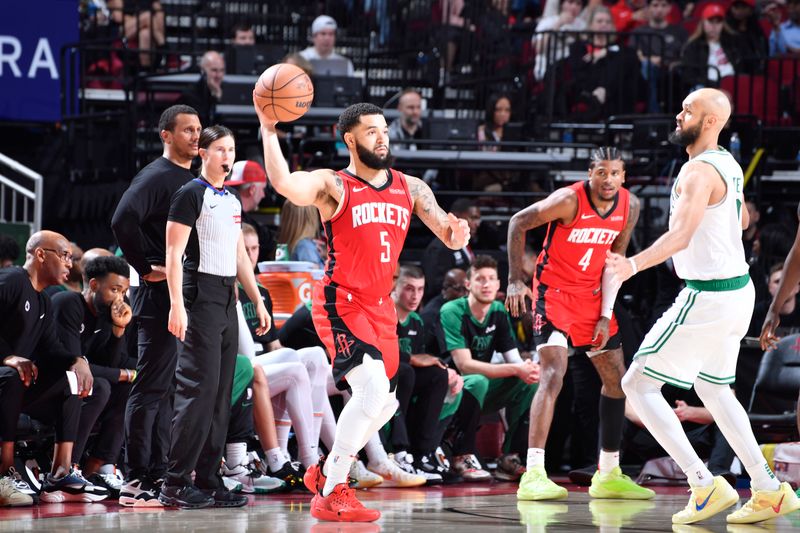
x=366 y=211
x=573 y=303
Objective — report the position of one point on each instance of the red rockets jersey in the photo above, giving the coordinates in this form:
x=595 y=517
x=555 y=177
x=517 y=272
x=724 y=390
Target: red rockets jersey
x=573 y=257
x=366 y=235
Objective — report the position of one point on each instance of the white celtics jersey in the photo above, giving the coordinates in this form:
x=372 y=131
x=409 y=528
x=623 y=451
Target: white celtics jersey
x=715 y=251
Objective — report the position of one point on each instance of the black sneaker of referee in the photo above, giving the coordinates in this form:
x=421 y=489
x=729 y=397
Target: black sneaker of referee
x=222 y=497
x=188 y=497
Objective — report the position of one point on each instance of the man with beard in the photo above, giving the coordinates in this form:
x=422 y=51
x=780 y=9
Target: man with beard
x=573 y=303
x=32 y=377
x=366 y=211
x=93 y=323
x=140 y=224
x=696 y=341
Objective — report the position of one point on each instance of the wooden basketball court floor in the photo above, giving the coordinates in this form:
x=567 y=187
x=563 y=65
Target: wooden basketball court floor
x=465 y=508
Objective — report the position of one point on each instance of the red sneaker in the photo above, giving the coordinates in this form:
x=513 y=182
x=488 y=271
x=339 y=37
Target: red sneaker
x=314 y=479
x=341 y=505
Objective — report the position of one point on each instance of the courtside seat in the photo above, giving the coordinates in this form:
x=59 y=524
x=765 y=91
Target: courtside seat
x=773 y=405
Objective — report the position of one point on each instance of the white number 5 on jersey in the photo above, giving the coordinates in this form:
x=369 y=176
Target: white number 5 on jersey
x=386 y=254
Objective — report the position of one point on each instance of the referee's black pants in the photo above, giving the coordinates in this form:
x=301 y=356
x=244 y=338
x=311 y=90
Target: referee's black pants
x=204 y=379
x=148 y=413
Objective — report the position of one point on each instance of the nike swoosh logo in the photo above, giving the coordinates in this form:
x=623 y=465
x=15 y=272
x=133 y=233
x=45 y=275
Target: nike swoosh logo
x=212 y=206
x=41 y=316
x=702 y=506
x=98 y=330
x=584 y=217
x=357 y=189
x=777 y=508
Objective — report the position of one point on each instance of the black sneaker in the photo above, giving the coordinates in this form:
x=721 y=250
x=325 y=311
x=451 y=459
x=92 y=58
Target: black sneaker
x=222 y=497
x=189 y=497
x=111 y=482
x=439 y=460
x=292 y=474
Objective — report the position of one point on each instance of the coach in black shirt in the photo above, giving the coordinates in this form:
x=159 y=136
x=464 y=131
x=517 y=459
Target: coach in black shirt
x=205 y=223
x=139 y=224
x=32 y=374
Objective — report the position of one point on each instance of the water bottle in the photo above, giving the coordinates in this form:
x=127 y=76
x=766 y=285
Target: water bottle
x=736 y=146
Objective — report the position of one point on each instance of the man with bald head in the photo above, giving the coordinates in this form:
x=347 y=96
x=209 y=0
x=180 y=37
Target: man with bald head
x=32 y=374
x=207 y=92
x=696 y=341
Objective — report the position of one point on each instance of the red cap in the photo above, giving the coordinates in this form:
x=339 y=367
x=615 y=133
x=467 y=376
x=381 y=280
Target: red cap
x=246 y=172
x=711 y=11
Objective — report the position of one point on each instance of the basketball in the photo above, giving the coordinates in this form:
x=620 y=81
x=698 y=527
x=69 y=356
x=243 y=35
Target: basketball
x=284 y=92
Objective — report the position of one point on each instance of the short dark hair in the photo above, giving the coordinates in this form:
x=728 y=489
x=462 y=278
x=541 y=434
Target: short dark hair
x=411 y=271
x=605 y=153
x=102 y=266
x=351 y=116
x=241 y=25
x=170 y=116
x=462 y=205
x=777 y=267
x=9 y=248
x=482 y=261
x=212 y=133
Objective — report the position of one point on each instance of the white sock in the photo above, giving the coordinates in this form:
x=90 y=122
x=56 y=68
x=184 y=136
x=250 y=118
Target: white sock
x=275 y=459
x=337 y=466
x=375 y=450
x=699 y=475
x=608 y=461
x=235 y=454
x=761 y=477
x=535 y=458
x=107 y=468
x=61 y=472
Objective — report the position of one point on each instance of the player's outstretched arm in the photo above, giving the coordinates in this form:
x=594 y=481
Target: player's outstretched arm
x=561 y=205
x=452 y=231
x=790 y=277
x=697 y=185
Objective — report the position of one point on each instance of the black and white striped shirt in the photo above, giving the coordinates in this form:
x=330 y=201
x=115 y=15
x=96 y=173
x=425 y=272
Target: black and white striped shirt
x=215 y=216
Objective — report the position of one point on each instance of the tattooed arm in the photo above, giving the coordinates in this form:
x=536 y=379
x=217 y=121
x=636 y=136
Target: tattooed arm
x=562 y=205
x=452 y=231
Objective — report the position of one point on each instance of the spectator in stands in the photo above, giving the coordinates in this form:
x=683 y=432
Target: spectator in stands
x=438 y=259
x=9 y=250
x=243 y=34
x=299 y=232
x=639 y=446
x=421 y=376
x=408 y=126
x=629 y=14
x=785 y=37
x=475 y=327
x=658 y=44
x=714 y=51
x=750 y=233
x=323 y=37
x=93 y=323
x=606 y=74
x=454 y=25
x=32 y=375
x=250 y=181
x=742 y=17
x=549 y=48
x=207 y=92
x=789 y=312
x=142 y=23
x=498 y=114
x=454 y=286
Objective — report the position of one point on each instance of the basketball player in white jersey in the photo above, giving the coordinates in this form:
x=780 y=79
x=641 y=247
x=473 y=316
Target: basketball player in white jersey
x=696 y=341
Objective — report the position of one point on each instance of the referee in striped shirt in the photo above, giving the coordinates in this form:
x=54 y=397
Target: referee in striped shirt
x=204 y=223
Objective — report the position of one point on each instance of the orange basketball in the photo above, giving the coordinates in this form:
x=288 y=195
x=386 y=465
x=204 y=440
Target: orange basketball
x=284 y=92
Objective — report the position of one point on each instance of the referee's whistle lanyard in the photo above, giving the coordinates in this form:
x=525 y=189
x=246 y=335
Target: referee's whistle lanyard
x=203 y=181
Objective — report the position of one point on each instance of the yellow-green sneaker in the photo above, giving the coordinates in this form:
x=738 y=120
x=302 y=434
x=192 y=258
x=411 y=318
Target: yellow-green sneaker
x=610 y=514
x=705 y=502
x=616 y=485
x=535 y=486
x=540 y=514
x=766 y=504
